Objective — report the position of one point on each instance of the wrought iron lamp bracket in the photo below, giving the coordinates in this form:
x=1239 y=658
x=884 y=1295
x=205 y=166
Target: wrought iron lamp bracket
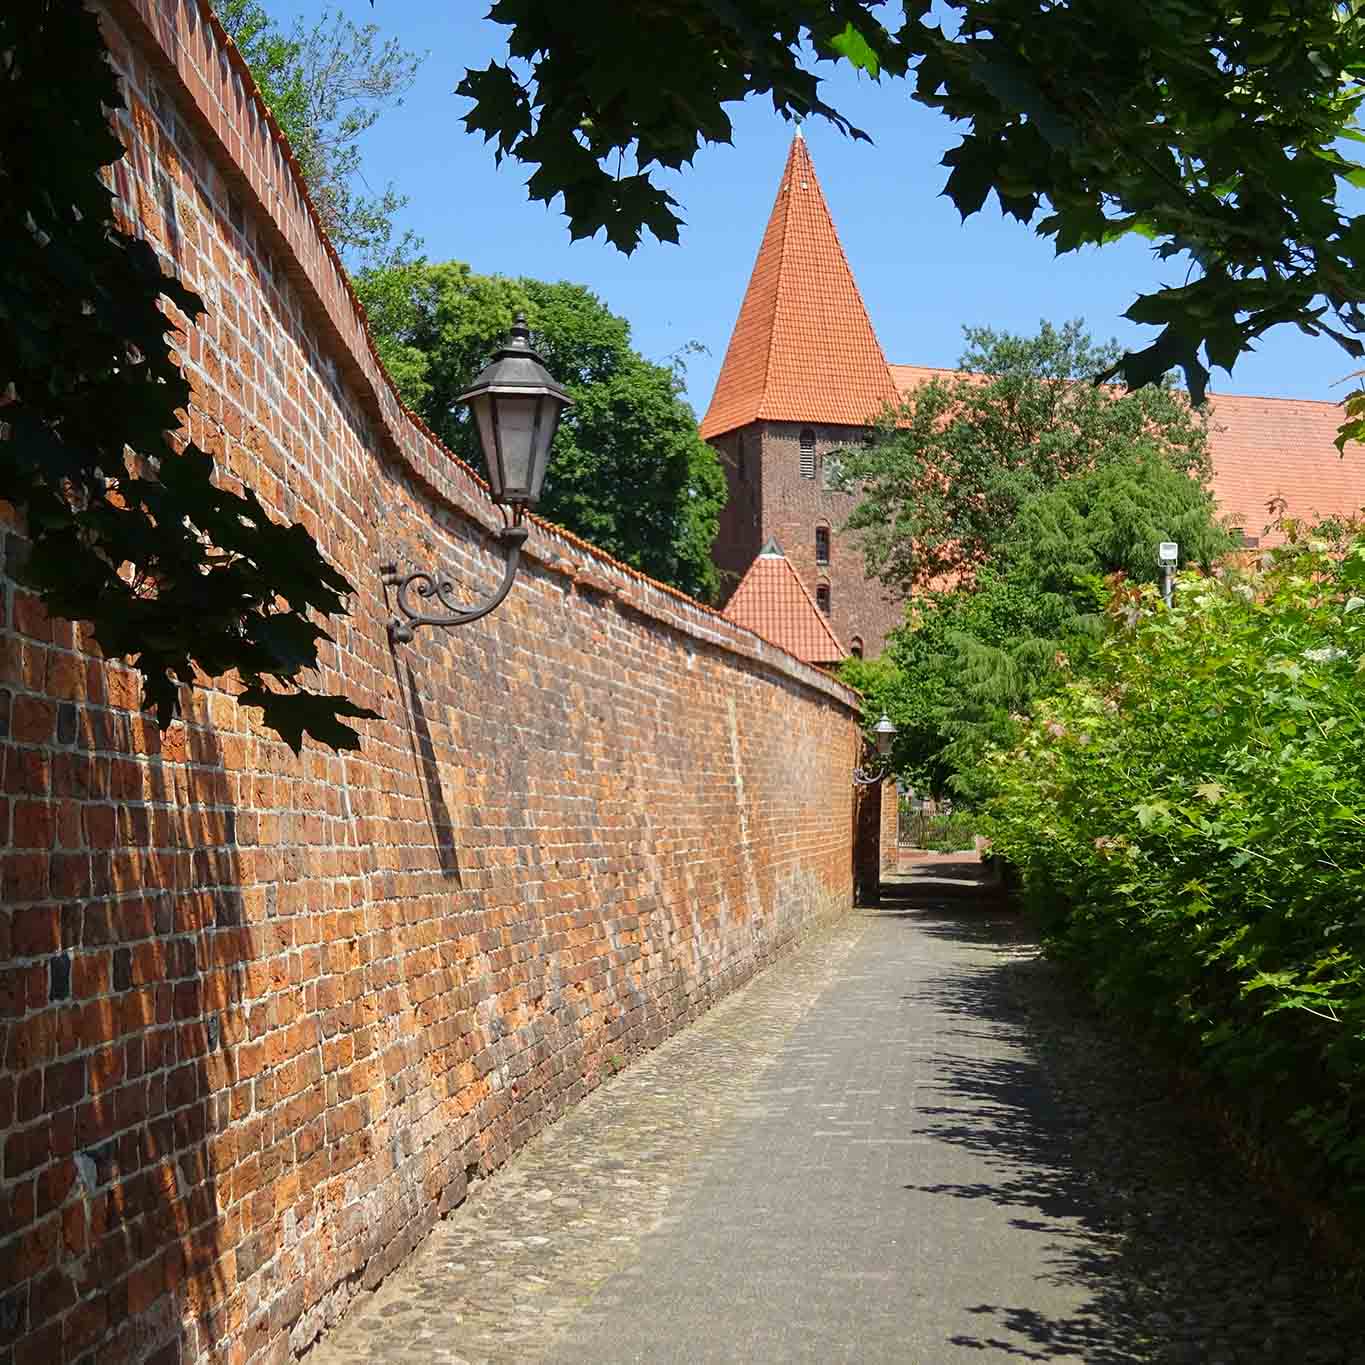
x=427 y=585
x=869 y=777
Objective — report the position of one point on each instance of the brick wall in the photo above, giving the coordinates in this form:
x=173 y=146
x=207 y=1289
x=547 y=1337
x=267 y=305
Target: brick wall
x=738 y=539
x=264 y=1017
x=888 y=836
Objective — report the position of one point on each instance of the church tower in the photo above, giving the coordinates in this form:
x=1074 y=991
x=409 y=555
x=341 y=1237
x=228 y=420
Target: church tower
x=803 y=376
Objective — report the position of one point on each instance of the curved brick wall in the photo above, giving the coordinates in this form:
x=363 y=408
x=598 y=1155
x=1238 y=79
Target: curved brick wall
x=263 y=1017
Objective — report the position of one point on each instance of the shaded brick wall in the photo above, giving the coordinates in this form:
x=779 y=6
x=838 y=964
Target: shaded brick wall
x=738 y=532
x=778 y=501
x=264 y=1017
x=889 y=833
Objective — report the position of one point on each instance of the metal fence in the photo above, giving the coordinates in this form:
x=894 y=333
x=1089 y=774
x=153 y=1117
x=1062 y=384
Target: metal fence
x=926 y=824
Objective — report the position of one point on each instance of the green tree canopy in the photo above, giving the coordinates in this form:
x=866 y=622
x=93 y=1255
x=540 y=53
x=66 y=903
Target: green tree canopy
x=1213 y=129
x=628 y=471
x=327 y=84
x=969 y=663
x=1111 y=521
x=942 y=484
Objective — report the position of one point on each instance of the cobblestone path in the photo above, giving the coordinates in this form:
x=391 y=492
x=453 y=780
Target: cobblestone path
x=906 y=1142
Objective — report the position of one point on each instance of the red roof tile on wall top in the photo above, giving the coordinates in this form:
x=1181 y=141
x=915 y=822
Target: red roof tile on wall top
x=772 y=601
x=803 y=348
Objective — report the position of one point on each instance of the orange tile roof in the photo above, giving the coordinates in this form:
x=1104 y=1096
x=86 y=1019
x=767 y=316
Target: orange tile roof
x=772 y=601
x=1266 y=448
x=1262 y=449
x=803 y=349
x=907 y=377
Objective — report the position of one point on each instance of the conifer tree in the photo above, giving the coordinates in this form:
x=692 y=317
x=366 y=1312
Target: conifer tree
x=969 y=662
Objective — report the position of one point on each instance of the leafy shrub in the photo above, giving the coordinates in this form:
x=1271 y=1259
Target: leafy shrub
x=972 y=660
x=1190 y=821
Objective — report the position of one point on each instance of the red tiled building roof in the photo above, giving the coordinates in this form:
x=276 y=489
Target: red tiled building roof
x=1270 y=448
x=907 y=377
x=1261 y=449
x=772 y=601
x=803 y=349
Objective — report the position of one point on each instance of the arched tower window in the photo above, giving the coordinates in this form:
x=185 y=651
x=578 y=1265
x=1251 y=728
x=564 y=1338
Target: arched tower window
x=822 y=597
x=822 y=544
x=855 y=647
x=807 y=453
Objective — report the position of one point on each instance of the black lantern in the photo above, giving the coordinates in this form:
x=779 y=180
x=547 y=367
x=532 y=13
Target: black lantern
x=517 y=407
x=883 y=732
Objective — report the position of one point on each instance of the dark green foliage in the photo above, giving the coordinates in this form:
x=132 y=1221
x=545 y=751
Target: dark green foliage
x=326 y=86
x=1190 y=821
x=955 y=678
x=127 y=529
x=943 y=483
x=966 y=670
x=651 y=80
x=628 y=471
x=1111 y=521
x=1212 y=129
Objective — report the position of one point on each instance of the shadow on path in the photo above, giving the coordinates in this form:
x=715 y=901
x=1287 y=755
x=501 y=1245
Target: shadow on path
x=1178 y=1256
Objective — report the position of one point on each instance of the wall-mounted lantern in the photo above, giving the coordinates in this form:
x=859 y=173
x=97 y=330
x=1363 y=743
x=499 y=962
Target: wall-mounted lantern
x=516 y=407
x=883 y=732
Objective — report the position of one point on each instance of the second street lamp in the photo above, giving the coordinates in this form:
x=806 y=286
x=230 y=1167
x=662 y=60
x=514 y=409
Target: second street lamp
x=884 y=732
x=516 y=407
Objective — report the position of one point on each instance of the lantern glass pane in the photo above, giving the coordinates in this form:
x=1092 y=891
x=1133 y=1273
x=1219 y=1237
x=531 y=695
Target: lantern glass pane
x=488 y=440
x=516 y=443
x=547 y=423
x=884 y=742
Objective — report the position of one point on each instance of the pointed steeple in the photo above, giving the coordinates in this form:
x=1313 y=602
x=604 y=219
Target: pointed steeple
x=803 y=349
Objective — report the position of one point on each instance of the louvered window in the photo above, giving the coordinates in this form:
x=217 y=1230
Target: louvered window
x=807 y=454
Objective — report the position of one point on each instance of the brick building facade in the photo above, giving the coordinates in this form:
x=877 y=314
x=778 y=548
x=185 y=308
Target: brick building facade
x=804 y=374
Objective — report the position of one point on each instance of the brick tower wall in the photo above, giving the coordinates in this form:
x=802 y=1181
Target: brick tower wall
x=738 y=536
x=793 y=506
x=263 y=1016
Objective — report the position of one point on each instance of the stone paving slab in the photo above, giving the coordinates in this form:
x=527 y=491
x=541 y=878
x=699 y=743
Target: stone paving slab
x=822 y=1233
x=504 y=1274
x=906 y=1142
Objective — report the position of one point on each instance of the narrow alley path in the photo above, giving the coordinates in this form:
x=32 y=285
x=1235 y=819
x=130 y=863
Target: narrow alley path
x=906 y=1142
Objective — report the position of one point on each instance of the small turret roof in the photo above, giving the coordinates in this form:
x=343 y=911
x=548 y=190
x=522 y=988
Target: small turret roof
x=772 y=601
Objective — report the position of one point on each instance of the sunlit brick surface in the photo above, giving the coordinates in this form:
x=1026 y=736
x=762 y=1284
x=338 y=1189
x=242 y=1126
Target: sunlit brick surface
x=263 y=1016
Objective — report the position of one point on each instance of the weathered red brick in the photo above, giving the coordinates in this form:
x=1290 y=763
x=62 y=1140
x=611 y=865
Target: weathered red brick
x=36 y=930
x=33 y=720
x=265 y=950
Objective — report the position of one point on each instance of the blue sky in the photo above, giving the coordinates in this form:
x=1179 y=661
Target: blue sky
x=923 y=273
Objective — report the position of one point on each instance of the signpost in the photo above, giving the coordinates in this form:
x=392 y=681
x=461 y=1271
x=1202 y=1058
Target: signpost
x=1167 y=555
